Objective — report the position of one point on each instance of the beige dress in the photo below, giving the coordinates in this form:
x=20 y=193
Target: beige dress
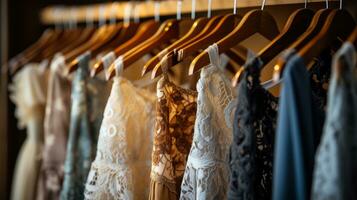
x=28 y=92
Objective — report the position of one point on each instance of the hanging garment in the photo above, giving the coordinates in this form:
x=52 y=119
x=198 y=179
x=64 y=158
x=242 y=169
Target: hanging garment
x=86 y=113
x=121 y=168
x=335 y=173
x=55 y=133
x=207 y=170
x=251 y=153
x=28 y=92
x=176 y=114
x=300 y=122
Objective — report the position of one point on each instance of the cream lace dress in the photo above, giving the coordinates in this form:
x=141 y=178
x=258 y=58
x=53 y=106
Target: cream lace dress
x=207 y=170
x=121 y=169
x=28 y=92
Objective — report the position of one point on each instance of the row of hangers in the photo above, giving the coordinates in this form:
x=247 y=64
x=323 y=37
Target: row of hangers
x=306 y=31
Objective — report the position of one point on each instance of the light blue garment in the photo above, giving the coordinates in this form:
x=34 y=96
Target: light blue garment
x=299 y=124
x=86 y=115
x=335 y=173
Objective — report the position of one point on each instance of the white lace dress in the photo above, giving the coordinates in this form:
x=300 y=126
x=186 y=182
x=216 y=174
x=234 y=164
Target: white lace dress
x=28 y=92
x=207 y=170
x=121 y=169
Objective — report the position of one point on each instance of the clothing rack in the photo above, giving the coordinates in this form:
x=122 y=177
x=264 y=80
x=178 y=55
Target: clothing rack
x=106 y=11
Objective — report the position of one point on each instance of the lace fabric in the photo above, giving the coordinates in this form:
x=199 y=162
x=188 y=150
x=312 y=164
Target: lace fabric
x=175 y=118
x=86 y=112
x=251 y=153
x=207 y=171
x=335 y=172
x=122 y=165
x=56 y=126
x=28 y=92
x=255 y=121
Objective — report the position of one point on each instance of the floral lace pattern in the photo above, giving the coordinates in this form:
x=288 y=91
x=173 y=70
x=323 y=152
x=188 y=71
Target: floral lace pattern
x=176 y=114
x=251 y=153
x=207 y=171
x=122 y=165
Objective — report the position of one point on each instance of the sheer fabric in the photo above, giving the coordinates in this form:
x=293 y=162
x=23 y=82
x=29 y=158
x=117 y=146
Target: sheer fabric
x=55 y=133
x=28 y=92
x=122 y=165
x=335 y=172
x=175 y=118
x=88 y=95
x=207 y=171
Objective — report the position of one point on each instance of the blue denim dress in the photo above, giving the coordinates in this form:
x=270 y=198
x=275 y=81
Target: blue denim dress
x=335 y=173
x=88 y=101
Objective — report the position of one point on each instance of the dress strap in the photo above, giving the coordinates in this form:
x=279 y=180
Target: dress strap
x=83 y=61
x=119 y=66
x=213 y=53
x=107 y=60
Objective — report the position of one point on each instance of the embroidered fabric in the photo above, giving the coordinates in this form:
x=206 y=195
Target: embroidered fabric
x=86 y=113
x=175 y=118
x=28 y=93
x=207 y=170
x=122 y=165
x=255 y=121
x=251 y=153
x=56 y=126
x=335 y=173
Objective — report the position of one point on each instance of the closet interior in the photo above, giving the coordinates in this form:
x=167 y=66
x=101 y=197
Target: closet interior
x=179 y=99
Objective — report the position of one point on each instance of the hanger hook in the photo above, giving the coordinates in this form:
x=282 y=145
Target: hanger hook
x=113 y=14
x=326 y=4
x=305 y=3
x=89 y=17
x=101 y=15
x=73 y=18
x=179 y=10
x=157 y=10
x=136 y=12
x=193 y=9
x=340 y=4
x=235 y=7
x=127 y=12
x=209 y=9
x=263 y=4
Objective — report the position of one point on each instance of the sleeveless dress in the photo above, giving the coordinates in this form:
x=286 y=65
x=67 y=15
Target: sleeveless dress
x=88 y=99
x=28 y=92
x=175 y=118
x=56 y=128
x=122 y=165
x=207 y=171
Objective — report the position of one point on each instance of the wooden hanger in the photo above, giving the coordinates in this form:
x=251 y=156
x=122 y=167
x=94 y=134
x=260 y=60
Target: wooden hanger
x=145 y=31
x=68 y=37
x=353 y=37
x=315 y=27
x=48 y=37
x=339 y=25
x=255 y=21
x=167 y=32
x=226 y=25
x=103 y=38
x=195 y=29
x=86 y=34
x=297 y=23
